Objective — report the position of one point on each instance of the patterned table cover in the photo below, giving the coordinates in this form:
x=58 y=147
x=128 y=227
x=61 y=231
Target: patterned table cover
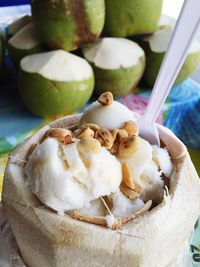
x=181 y=113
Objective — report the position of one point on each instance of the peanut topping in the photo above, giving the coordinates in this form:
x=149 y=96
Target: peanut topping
x=104 y=137
x=86 y=133
x=68 y=140
x=90 y=144
x=127 y=176
x=77 y=132
x=131 y=194
x=114 y=133
x=122 y=134
x=92 y=126
x=131 y=128
x=61 y=134
x=106 y=99
x=114 y=148
x=128 y=146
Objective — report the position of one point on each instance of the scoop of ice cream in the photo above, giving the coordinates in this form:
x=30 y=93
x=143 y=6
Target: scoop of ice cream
x=107 y=116
x=123 y=205
x=146 y=163
x=66 y=177
x=163 y=160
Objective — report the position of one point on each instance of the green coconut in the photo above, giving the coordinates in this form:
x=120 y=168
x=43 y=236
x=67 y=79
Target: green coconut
x=17 y=25
x=25 y=42
x=54 y=83
x=130 y=17
x=155 y=47
x=68 y=24
x=118 y=64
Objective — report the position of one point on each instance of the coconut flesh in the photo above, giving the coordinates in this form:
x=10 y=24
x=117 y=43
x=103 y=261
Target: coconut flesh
x=159 y=41
x=167 y=223
x=118 y=64
x=26 y=38
x=26 y=41
x=18 y=24
x=57 y=65
x=113 y=53
x=55 y=82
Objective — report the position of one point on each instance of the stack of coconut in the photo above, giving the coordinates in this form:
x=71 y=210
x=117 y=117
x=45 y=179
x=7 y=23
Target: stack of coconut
x=69 y=48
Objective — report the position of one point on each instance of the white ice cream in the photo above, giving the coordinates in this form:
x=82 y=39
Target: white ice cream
x=147 y=165
x=123 y=206
x=95 y=208
x=109 y=117
x=75 y=176
x=69 y=177
x=163 y=160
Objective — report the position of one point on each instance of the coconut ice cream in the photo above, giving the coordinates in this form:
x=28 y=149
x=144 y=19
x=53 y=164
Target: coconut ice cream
x=55 y=82
x=155 y=47
x=70 y=176
x=73 y=170
x=118 y=215
x=118 y=64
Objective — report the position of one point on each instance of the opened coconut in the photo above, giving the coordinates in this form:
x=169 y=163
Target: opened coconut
x=155 y=47
x=25 y=42
x=56 y=82
x=70 y=203
x=118 y=64
x=68 y=24
x=18 y=24
x=132 y=17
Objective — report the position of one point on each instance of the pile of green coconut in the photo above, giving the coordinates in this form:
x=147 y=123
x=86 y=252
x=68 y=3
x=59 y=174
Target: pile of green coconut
x=69 y=49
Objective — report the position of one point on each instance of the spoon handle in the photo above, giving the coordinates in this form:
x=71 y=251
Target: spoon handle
x=174 y=58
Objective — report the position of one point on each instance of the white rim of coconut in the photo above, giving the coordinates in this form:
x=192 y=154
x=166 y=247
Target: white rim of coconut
x=26 y=38
x=58 y=66
x=18 y=24
x=113 y=53
x=159 y=41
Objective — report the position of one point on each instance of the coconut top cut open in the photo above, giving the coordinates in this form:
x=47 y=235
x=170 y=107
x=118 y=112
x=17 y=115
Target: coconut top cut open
x=159 y=41
x=26 y=38
x=18 y=24
x=113 y=53
x=58 y=66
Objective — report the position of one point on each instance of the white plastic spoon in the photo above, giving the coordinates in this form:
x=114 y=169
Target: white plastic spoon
x=183 y=33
